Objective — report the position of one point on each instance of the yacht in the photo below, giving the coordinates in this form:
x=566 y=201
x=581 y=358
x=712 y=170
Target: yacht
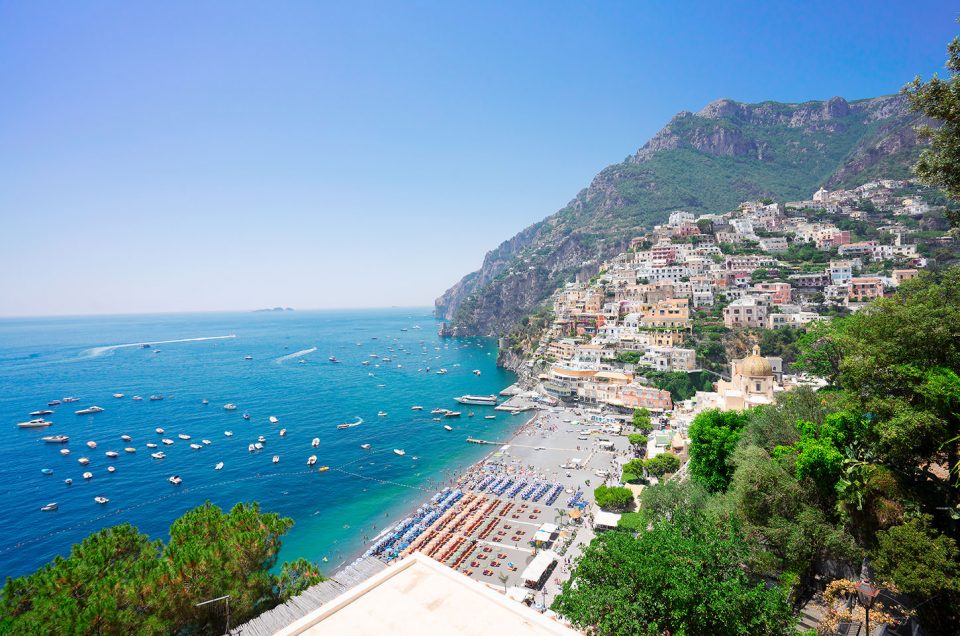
x=228 y=433
x=183 y=436
x=315 y=442
x=118 y=395
x=41 y=413
x=452 y=414
x=400 y=451
x=311 y=460
x=49 y=507
x=89 y=410
x=101 y=500
x=219 y=466
x=36 y=423
x=196 y=446
x=88 y=475
x=229 y=407
x=68 y=400
x=485 y=400
x=448 y=428
x=175 y=480
x=365 y=446
x=416 y=408
x=53 y=403
x=276 y=459
x=439 y=411
x=55 y=439
x=273 y=419
x=64 y=451
x=91 y=444
x=112 y=454
x=158 y=455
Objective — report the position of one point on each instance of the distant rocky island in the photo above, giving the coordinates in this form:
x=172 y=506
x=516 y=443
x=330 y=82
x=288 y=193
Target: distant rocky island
x=273 y=309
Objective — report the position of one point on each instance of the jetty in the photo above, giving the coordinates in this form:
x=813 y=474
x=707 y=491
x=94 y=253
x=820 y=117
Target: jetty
x=474 y=440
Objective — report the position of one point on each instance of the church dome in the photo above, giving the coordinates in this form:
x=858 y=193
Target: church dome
x=755 y=366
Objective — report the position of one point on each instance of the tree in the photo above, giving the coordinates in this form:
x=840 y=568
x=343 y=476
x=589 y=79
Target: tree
x=613 y=497
x=638 y=441
x=668 y=499
x=939 y=165
x=503 y=580
x=713 y=436
x=684 y=576
x=633 y=470
x=662 y=464
x=641 y=419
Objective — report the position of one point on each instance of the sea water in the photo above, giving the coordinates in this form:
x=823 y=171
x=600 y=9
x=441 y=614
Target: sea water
x=202 y=356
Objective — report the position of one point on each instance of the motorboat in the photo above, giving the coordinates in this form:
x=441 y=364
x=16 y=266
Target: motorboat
x=112 y=454
x=49 y=507
x=365 y=363
x=229 y=407
x=448 y=428
x=439 y=411
x=196 y=446
x=248 y=357
x=452 y=414
x=476 y=372
x=400 y=451
x=442 y=372
x=273 y=419
x=46 y=471
x=83 y=461
x=68 y=400
x=311 y=460
x=91 y=444
x=416 y=408
x=41 y=413
x=483 y=400
x=365 y=446
x=36 y=423
x=219 y=466
x=333 y=359
x=251 y=447
x=130 y=449
x=111 y=469
x=158 y=455
x=53 y=403
x=168 y=442
x=137 y=398
x=206 y=442
x=228 y=433
x=204 y=401
x=90 y=410
x=151 y=445
x=118 y=395
x=261 y=439
x=469 y=413
x=88 y=475
x=55 y=439
x=156 y=398
x=301 y=361
x=246 y=416
x=175 y=480
x=489 y=417
x=68 y=481
x=283 y=432
x=382 y=414
x=258 y=446
x=101 y=500
x=126 y=438
x=351 y=424
x=276 y=459
x=324 y=469
x=315 y=442
x=183 y=436
x=64 y=451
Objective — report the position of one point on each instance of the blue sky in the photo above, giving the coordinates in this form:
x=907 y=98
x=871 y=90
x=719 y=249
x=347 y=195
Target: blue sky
x=233 y=155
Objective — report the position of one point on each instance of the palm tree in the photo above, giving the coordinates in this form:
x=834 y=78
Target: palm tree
x=503 y=579
x=561 y=515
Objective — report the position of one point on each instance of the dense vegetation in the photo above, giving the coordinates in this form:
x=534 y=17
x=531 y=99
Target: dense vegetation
x=805 y=488
x=118 y=581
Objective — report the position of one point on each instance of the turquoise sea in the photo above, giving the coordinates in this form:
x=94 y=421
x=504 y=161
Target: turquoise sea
x=43 y=359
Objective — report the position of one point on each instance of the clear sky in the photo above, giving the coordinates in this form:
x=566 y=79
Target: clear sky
x=172 y=156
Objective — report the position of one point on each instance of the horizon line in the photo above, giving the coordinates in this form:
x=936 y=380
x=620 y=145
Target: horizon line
x=181 y=312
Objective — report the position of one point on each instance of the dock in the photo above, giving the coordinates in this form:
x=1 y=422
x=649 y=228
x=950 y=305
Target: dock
x=473 y=440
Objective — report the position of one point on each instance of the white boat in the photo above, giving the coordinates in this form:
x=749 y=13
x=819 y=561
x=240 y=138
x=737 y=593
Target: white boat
x=151 y=445
x=91 y=444
x=204 y=401
x=400 y=451
x=49 y=507
x=484 y=400
x=261 y=439
x=111 y=469
x=276 y=459
x=166 y=441
x=382 y=414
x=101 y=500
x=137 y=398
x=442 y=372
x=156 y=398
x=175 y=480
x=365 y=446
x=351 y=424
x=126 y=438
x=36 y=423
x=476 y=371
x=219 y=466
x=416 y=408
x=160 y=431
x=489 y=417
x=228 y=433
x=311 y=460
x=88 y=475
x=41 y=413
x=196 y=446
x=53 y=403
x=283 y=432
x=68 y=481
x=55 y=439
x=229 y=407
x=448 y=428
x=206 y=442
x=248 y=357
x=118 y=395
x=439 y=411
x=68 y=400
x=158 y=455
x=315 y=442
x=83 y=461
x=64 y=451
x=251 y=447
x=365 y=362
x=273 y=419
x=245 y=416
x=90 y=410
x=112 y=454
x=333 y=359
x=258 y=446
x=452 y=414
x=183 y=436
x=130 y=449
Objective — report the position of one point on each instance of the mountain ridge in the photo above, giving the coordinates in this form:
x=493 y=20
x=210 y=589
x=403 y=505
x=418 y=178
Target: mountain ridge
x=707 y=161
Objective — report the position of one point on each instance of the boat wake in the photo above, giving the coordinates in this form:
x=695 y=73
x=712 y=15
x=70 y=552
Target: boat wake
x=96 y=352
x=295 y=354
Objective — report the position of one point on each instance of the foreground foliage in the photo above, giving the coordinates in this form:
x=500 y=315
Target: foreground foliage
x=118 y=581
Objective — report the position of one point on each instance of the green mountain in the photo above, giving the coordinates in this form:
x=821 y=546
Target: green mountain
x=708 y=161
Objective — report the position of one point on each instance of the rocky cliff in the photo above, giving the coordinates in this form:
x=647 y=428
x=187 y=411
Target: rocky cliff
x=700 y=162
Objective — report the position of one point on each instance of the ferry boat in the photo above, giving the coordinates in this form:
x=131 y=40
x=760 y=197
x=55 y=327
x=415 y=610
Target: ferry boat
x=351 y=424
x=90 y=410
x=400 y=451
x=55 y=439
x=41 y=413
x=486 y=400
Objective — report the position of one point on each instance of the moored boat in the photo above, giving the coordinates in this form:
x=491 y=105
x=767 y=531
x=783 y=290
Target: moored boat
x=175 y=480
x=49 y=507
x=399 y=451
x=246 y=416
x=101 y=500
x=158 y=455
x=41 y=413
x=111 y=469
x=88 y=475
x=83 y=461
x=484 y=400
x=365 y=446
x=126 y=438
x=283 y=432
x=449 y=428
x=183 y=436
x=315 y=442
x=64 y=451
x=53 y=403
x=228 y=433
x=151 y=445
x=90 y=410
x=273 y=419
x=311 y=460
x=130 y=449
x=452 y=414
x=46 y=471
x=118 y=395
x=91 y=444
x=276 y=459
x=416 y=408
x=36 y=423
x=196 y=446
x=168 y=442
x=219 y=466
x=55 y=439
x=111 y=453
x=229 y=407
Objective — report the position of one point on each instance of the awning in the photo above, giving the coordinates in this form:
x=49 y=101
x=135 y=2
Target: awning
x=538 y=566
x=606 y=519
x=549 y=528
